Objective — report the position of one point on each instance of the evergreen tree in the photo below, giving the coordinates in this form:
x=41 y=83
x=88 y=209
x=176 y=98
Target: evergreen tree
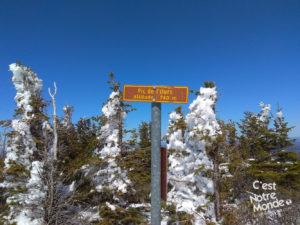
x=281 y=131
x=3 y=145
x=178 y=178
x=133 y=140
x=138 y=164
x=122 y=107
x=77 y=143
x=24 y=160
x=213 y=149
x=258 y=156
x=145 y=134
x=110 y=181
x=196 y=188
x=68 y=110
x=203 y=129
x=278 y=166
x=67 y=142
x=177 y=123
x=256 y=135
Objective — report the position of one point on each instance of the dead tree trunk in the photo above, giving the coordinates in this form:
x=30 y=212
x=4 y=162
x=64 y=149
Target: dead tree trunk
x=53 y=164
x=54 y=148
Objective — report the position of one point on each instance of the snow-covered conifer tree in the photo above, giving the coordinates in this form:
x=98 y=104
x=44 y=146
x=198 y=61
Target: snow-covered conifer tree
x=282 y=130
x=256 y=135
x=68 y=110
x=176 y=130
x=24 y=158
x=190 y=166
x=109 y=139
x=260 y=158
x=110 y=181
x=203 y=129
x=265 y=110
x=178 y=173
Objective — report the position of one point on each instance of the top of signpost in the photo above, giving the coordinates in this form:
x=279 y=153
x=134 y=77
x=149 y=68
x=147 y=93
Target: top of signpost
x=155 y=93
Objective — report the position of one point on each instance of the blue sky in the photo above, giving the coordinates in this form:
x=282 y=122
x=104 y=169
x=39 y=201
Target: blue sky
x=251 y=49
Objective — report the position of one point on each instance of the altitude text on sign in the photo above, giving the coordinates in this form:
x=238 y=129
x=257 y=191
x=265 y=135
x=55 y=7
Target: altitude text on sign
x=151 y=93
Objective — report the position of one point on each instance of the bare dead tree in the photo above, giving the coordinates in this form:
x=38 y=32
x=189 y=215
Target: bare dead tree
x=61 y=206
x=65 y=207
x=51 y=184
x=54 y=148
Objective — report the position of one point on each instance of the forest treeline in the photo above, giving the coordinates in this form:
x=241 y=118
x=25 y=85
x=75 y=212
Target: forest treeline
x=55 y=170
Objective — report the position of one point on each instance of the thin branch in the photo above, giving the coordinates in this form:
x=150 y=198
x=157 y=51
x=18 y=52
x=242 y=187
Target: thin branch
x=55 y=90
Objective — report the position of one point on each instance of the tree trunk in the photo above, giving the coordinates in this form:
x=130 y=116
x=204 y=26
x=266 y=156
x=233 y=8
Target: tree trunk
x=53 y=164
x=3 y=145
x=216 y=180
x=120 y=131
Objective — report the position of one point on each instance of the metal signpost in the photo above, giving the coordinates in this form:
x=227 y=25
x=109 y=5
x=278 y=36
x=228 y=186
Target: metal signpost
x=155 y=163
x=156 y=95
